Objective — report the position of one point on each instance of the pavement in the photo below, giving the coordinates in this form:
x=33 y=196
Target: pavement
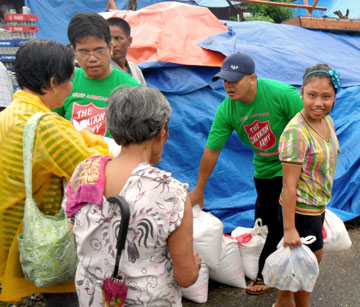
x=338 y=284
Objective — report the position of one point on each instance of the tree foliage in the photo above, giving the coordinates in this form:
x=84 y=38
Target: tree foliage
x=271 y=12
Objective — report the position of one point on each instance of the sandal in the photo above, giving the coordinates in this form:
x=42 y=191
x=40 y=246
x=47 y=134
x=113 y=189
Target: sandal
x=257 y=282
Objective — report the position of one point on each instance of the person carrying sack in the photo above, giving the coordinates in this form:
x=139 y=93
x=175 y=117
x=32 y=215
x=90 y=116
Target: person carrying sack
x=44 y=71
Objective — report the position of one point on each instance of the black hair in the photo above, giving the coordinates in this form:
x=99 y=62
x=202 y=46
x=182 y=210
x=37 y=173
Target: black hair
x=39 y=60
x=83 y=25
x=307 y=76
x=121 y=23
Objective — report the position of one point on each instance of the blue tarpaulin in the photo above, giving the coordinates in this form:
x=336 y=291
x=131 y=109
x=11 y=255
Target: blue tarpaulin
x=281 y=52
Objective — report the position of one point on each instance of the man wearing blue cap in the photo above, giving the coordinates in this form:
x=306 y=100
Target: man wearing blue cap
x=258 y=110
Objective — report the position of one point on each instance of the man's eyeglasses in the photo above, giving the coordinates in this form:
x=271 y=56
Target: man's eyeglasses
x=86 y=54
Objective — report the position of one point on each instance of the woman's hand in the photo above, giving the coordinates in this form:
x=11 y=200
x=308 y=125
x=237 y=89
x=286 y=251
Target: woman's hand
x=292 y=238
x=197 y=260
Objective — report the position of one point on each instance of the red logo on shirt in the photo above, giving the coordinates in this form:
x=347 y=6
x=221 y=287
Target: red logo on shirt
x=89 y=115
x=260 y=135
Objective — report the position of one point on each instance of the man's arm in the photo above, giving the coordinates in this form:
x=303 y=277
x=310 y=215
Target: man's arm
x=207 y=165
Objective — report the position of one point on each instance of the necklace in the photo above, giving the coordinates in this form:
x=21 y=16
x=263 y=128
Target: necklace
x=322 y=128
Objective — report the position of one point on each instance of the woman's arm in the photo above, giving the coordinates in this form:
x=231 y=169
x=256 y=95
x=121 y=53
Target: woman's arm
x=291 y=175
x=180 y=243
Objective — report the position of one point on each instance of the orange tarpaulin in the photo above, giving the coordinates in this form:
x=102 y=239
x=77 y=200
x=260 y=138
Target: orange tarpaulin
x=170 y=32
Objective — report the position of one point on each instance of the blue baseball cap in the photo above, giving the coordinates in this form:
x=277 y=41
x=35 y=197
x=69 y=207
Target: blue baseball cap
x=234 y=67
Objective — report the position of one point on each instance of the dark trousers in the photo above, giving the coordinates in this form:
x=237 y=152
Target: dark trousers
x=268 y=208
x=61 y=299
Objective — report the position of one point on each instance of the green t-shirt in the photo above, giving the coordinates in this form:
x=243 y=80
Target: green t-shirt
x=258 y=124
x=85 y=106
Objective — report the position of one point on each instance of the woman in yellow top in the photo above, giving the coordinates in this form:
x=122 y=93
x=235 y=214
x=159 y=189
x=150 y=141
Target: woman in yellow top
x=44 y=71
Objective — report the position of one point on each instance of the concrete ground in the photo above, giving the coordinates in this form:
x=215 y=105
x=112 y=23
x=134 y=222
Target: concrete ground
x=338 y=284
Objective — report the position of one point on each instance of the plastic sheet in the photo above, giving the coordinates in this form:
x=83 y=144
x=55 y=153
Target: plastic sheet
x=166 y=32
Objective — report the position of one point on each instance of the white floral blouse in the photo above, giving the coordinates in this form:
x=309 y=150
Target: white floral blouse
x=156 y=203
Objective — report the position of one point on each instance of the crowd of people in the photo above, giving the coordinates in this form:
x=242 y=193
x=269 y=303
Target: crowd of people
x=291 y=134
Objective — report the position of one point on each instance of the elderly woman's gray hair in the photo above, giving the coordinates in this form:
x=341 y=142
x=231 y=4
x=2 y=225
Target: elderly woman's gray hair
x=135 y=114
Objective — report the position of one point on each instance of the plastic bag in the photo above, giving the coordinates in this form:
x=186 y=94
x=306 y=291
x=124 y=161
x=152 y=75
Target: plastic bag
x=251 y=243
x=231 y=270
x=335 y=235
x=207 y=233
x=292 y=269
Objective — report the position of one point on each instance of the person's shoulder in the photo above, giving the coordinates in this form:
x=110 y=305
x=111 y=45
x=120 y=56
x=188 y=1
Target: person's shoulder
x=149 y=172
x=299 y=124
x=122 y=78
x=226 y=102
x=279 y=85
x=79 y=74
x=54 y=119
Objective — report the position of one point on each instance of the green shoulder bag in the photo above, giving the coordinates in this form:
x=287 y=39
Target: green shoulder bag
x=46 y=244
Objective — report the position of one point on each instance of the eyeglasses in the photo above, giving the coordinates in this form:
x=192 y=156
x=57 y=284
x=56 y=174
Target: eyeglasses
x=86 y=54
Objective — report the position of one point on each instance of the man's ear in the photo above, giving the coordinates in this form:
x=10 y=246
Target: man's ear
x=253 y=78
x=130 y=39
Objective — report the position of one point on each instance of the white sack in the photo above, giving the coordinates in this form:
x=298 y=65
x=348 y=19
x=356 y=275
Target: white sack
x=231 y=270
x=207 y=232
x=335 y=235
x=198 y=292
x=251 y=242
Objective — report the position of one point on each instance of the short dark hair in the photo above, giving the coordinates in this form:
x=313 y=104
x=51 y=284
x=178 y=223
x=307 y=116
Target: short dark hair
x=135 y=115
x=39 y=60
x=121 y=23
x=83 y=25
x=321 y=67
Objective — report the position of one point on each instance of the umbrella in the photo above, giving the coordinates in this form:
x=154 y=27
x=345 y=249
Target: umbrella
x=115 y=288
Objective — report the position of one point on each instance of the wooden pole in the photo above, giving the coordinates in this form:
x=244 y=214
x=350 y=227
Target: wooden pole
x=301 y=6
x=307 y=11
x=313 y=6
x=241 y=15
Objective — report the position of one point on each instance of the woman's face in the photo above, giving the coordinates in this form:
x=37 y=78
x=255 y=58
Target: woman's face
x=318 y=96
x=61 y=92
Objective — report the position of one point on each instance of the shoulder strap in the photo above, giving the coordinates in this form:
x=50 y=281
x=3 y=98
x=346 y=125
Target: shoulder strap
x=28 y=149
x=123 y=229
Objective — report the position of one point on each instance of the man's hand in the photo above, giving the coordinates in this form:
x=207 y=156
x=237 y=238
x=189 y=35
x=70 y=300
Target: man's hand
x=197 y=197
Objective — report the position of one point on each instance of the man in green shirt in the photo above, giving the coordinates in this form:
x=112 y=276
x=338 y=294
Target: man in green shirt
x=89 y=35
x=258 y=110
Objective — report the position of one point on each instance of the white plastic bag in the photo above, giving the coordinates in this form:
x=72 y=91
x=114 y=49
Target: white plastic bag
x=231 y=270
x=292 y=269
x=251 y=243
x=198 y=292
x=207 y=232
x=335 y=235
